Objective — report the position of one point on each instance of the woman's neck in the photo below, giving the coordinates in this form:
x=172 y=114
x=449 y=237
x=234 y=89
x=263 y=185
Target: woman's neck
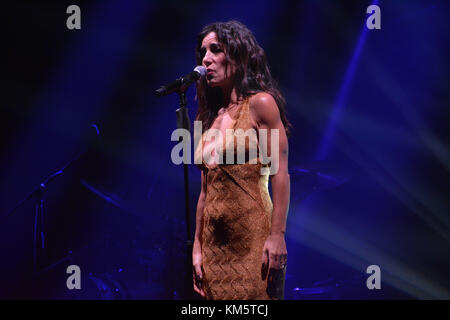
x=229 y=97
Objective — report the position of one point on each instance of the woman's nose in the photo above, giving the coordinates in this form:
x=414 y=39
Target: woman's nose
x=207 y=60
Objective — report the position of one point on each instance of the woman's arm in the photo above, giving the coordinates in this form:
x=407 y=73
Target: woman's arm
x=197 y=246
x=266 y=114
x=200 y=206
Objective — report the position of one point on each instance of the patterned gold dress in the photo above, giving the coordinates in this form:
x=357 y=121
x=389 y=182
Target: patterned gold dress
x=236 y=223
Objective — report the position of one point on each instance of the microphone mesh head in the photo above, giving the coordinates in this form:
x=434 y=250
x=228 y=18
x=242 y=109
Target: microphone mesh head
x=201 y=70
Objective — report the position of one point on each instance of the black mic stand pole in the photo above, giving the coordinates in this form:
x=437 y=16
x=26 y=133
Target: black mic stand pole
x=183 y=122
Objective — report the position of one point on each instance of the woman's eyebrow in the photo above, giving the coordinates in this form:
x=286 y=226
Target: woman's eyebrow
x=215 y=44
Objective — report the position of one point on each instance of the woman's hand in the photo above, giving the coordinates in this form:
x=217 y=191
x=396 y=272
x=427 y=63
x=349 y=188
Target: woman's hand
x=197 y=268
x=274 y=257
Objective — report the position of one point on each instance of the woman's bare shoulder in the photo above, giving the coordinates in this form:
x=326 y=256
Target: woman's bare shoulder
x=264 y=107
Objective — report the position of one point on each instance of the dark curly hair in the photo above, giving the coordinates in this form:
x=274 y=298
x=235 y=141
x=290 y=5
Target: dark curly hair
x=252 y=71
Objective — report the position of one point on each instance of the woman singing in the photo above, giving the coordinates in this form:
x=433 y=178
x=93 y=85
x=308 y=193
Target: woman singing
x=239 y=249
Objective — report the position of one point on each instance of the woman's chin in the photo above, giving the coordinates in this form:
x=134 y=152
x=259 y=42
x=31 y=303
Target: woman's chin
x=212 y=83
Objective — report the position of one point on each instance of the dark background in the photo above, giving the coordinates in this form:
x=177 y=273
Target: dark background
x=369 y=152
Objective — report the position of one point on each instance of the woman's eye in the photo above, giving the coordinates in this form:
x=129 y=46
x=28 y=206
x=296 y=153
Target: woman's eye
x=215 y=49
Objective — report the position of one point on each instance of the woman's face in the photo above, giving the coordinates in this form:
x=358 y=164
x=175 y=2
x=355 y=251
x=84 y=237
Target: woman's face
x=214 y=60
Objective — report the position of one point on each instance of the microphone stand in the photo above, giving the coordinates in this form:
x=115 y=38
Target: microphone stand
x=38 y=227
x=183 y=122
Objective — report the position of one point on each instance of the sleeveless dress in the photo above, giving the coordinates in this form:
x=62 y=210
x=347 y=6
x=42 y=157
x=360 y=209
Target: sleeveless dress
x=236 y=222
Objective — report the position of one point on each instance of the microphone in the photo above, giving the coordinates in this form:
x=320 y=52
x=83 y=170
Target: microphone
x=181 y=84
